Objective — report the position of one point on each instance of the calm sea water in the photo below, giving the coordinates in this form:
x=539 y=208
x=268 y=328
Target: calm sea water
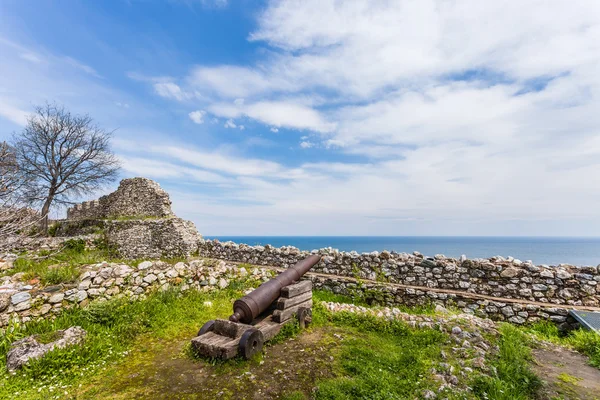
x=541 y=250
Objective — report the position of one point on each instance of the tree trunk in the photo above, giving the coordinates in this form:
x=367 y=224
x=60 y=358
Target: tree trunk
x=45 y=211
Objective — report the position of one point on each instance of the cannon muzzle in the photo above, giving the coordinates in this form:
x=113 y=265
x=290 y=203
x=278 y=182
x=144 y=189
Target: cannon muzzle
x=253 y=304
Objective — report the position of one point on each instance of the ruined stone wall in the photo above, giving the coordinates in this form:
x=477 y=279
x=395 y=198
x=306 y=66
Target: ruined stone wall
x=497 y=277
x=135 y=197
x=153 y=238
x=22 y=301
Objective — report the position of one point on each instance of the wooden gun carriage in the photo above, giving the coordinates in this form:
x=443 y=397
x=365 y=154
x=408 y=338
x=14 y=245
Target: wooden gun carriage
x=260 y=315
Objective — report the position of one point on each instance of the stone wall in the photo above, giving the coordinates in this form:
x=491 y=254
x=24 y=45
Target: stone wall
x=495 y=277
x=153 y=238
x=22 y=302
x=135 y=197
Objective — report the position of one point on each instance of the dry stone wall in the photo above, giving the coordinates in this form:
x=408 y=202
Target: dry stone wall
x=499 y=288
x=23 y=302
x=496 y=276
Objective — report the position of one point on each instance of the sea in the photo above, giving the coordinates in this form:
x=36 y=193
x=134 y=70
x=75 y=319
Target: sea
x=541 y=250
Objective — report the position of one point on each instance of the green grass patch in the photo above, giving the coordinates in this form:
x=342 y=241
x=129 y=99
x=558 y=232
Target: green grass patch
x=514 y=378
x=57 y=267
x=112 y=327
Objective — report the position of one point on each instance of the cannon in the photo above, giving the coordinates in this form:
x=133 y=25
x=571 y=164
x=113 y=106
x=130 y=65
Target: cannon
x=260 y=315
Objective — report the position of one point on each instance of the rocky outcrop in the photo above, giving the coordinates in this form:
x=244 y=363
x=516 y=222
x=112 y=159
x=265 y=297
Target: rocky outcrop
x=30 y=348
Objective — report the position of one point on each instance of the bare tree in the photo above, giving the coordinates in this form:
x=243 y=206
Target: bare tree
x=64 y=156
x=16 y=219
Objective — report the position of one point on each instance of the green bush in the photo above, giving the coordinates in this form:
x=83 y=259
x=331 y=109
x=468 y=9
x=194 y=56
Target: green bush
x=75 y=245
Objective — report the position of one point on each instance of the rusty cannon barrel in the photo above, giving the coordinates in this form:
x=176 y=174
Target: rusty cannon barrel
x=253 y=304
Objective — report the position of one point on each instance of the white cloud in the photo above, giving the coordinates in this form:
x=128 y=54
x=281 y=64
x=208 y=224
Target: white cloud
x=12 y=113
x=34 y=58
x=230 y=124
x=275 y=130
x=78 y=65
x=155 y=169
x=278 y=114
x=197 y=116
x=306 y=144
x=171 y=90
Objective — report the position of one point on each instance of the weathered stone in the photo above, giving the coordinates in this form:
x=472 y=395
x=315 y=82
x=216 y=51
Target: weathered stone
x=510 y=272
x=4 y=301
x=29 y=348
x=22 y=306
x=56 y=298
x=145 y=265
x=84 y=285
x=150 y=278
x=20 y=297
x=562 y=274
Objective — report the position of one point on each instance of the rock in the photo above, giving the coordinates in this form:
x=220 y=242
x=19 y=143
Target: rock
x=171 y=273
x=94 y=292
x=150 y=278
x=145 y=265
x=441 y=309
x=428 y=394
x=4 y=301
x=56 y=298
x=45 y=309
x=539 y=287
x=507 y=311
x=29 y=348
x=77 y=297
x=562 y=274
x=517 y=320
x=84 y=285
x=456 y=330
x=223 y=283
x=25 y=305
x=123 y=270
x=510 y=272
x=20 y=297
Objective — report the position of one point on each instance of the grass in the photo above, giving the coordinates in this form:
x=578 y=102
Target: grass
x=373 y=358
x=112 y=327
x=513 y=378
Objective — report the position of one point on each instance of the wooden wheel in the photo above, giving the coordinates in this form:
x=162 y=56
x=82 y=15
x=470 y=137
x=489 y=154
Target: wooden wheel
x=207 y=327
x=251 y=343
x=304 y=317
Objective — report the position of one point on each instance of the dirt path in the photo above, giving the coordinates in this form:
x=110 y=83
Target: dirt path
x=566 y=373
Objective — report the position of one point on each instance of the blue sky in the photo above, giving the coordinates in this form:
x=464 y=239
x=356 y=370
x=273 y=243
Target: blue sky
x=321 y=117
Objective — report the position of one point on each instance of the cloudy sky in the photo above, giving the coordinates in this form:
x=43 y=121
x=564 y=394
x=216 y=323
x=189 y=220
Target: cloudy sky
x=321 y=117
